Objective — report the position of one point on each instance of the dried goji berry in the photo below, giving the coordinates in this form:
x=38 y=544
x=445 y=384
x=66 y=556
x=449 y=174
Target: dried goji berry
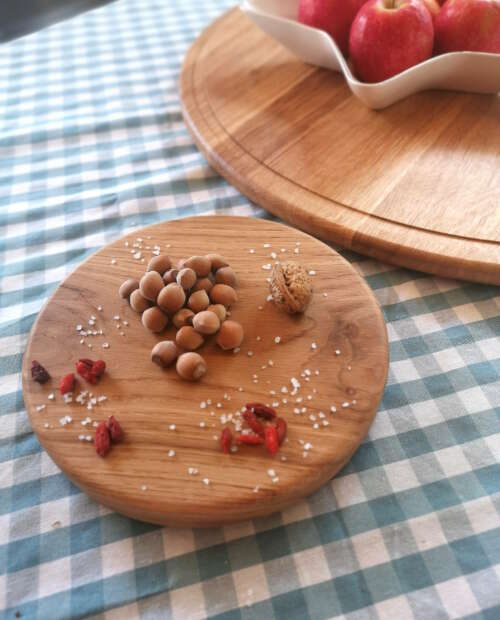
x=67 y=383
x=115 y=429
x=91 y=371
x=38 y=372
x=102 y=440
x=252 y=421
x=280 y=429
x=271 y=437
x=249 y=439
x=98 y=368
x=226 y=439
x=262 y=411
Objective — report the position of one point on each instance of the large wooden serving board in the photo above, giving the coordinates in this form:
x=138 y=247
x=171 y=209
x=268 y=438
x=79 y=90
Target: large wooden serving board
x=417 y=184
x=343 y=316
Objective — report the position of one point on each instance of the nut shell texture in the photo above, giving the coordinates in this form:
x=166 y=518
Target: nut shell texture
x=223 y=294
x=138 y=302
x=128 y=287
x=172 y=298
x=154 y=319
x=206 y=322
x=191 y=366
x=201 y=265
x=290 y=287
x=230 y=335
x=160 y=264
x=186 y=278
x=164 y=353
x=199 y=301
x=150 y=285
x=188 y=338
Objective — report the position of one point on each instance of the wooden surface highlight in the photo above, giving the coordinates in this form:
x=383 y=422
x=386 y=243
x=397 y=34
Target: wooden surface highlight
x=416 y=184
x=147 y=400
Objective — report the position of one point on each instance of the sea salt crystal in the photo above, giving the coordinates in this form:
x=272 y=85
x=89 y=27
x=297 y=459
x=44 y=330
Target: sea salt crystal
x=192 y=471
x=333 y=409
x=172 y=427
x=277 y=340
x=271 y=473
x=171 y=453
x=314 y=345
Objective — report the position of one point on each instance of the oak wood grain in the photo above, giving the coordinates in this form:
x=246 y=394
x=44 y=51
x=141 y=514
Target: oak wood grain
x=416 y=184
x=343 y=315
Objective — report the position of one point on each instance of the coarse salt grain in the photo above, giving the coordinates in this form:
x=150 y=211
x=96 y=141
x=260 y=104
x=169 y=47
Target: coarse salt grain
x=270 y=363
x=275 y=480
x=172 y=427
x=314 y=345
x=236 y=350
x=271 y=473
x=345 y=405
x=267 y=267
x=171 y=453
x=269 y=297
x=105 y=345
x=113 y=261
x=277 y=340
x=308 y=446
x=296 y=411
x=250 y=353
x=40 y=407
x=202 y=424
x=267 y=245
x=321 y=414
x=312 y=272
x=144 y=487
x=51 y=396
x=258 y=339
x=325 y=294
x=46 y=425
x=333 y=409
x=337 y=351
x=252 y=251
x=256 y=489
x=283 y=250
x=192 y=471
x=273 y=255
x=206 y=481
x=137 y=255
x=203 y=405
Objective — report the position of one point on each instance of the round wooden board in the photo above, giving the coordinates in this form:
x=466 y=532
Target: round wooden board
x=147 y=400
x=415 y=185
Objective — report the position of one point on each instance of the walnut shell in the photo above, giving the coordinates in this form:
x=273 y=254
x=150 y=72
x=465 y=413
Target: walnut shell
x=291 y=287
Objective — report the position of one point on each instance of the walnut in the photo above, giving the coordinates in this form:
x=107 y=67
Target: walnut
x=291 y=287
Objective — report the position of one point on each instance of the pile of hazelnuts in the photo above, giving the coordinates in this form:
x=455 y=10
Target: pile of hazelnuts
x=195 y=297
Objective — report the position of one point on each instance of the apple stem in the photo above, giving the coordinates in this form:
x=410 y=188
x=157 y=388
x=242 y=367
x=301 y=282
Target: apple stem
x=390 y=4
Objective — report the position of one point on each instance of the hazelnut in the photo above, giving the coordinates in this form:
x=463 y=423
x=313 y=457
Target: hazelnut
x=199 y=301
x=219 y=310
x=180 y=264
x=290 y=287
x=206 y=322
x=230 y=335
x=150 y=285
x=154 y=319
x=188 y=338
x=217 y=261
x=138 y=302
x=223 y=294
x=186 y=278
x=171 y=298
x=164 y=353
x=161 y=264
x=170 y=276
x=128 y=287
x=201 y=265
x=191 y=366
x=183 y=317
x=203 y=284
x=225 y=275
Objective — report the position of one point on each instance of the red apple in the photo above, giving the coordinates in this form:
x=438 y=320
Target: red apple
x=433 y=6
x=389 y=36
x=468 y=25
x=333 y=16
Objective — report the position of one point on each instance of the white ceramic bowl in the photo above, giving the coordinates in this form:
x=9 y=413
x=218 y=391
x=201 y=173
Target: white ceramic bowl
x=472 y=72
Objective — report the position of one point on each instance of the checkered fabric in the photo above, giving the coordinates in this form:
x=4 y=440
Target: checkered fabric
x=92 y=145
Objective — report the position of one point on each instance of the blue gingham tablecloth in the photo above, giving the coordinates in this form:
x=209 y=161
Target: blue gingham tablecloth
x=92 y=145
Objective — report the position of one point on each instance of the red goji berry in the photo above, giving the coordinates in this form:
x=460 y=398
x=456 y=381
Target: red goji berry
x=252 y=421
x=98 y=368
x=67 y=383
x=249 y=439
x=226 y=439
x=115 y=429
x=262 y=411
x=38 y=372
x=271 y=437
x=280 y=429
x=102 y=440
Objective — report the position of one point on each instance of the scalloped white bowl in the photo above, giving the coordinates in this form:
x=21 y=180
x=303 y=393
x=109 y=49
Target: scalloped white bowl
x=471 y=72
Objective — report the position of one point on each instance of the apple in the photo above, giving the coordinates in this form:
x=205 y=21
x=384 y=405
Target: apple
x=468 y=25
x=433 y=6
x=333 y=16
x=389 y=36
